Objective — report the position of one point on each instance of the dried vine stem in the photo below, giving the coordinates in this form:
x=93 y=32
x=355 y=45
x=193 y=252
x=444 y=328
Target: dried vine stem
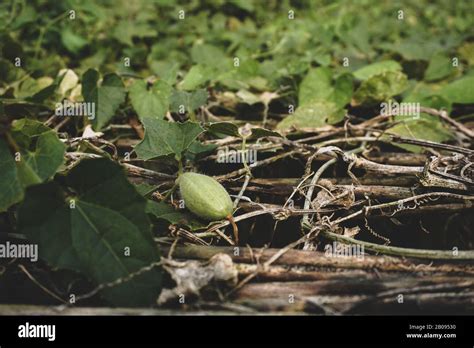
x=242 y=191
x=398 y=251
x=362 y=163
x=315 y=260
x=146 y=173
x=391 y=138
x=261 y=163
x=317 y=176
x=313 y=183
x=400 y=202
x=278 y=212
x=307 y=237
x=429 y=144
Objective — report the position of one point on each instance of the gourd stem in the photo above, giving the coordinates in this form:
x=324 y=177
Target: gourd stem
x=234 y=228
x=180 y=167
x=170 y=192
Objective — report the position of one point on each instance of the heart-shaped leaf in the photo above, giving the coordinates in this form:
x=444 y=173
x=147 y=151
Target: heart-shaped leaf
x=381 y=87
x=150 y=102
x=196 y=76
x=73 y=42
x=189 y=101
x=163 y=138
x=370 y=70
x=426 y=127
x=10 y=186
x=40 y=148
x=440 y=67
x=466 y=51
x=106 y=97
x=40 y=155
x=126 y=30
x=319 y=85
x=313 y=115
x=460 y=91
x=173 y=216
x=102 y=230
x=198 y=150
x=208 y=55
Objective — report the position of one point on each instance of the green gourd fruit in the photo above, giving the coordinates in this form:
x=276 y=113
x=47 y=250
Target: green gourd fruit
x=205 y=197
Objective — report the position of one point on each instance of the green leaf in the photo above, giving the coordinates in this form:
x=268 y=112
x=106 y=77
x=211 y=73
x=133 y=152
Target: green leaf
x=377 y=68
x=258 y=132
x=144 y=189
x=106 y=97
x=93 y=236
x=318 y=85
x=45 y=218
x=35 y=90
x=150 y=102
x=313 y=115
x=414 y=48
x=245 y=76
x=41 y=150
x=381 y=87
x=41 y=154
x=163 y=138
x=427 y=95
x=196 y=76
x=460 y=91
x=126 y=30
x=425 y=128
x=8 y=71
x=226 y=128
x=315 y=85
x=68 y=81
x=197 y=150
x=189 y=100
x=343 y=90
x=27 y=15
x=10 y=186
x=72 y=41
x=209 y=55
x=440 y=67
x=466 y=51
x=248 y=97
x=165 y=70
x=247 y=5
x=47 y=89
x=163 y=211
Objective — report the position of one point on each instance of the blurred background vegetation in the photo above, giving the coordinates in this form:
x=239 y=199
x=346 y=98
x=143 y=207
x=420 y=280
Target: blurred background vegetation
x=273 y=49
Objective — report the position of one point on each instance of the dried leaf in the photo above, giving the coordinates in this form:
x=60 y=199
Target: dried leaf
x=192 y=276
